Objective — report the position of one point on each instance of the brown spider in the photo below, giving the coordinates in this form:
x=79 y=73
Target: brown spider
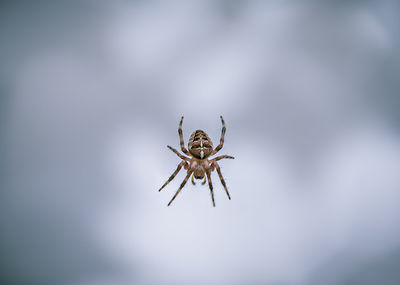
x=200 y=148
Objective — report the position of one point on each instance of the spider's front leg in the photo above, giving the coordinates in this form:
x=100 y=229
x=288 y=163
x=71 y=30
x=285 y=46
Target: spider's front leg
x=183 y=163
x=221 y=178
x=211 y=186
x=182 y=184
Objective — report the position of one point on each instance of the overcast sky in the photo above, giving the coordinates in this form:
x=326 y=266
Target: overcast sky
x=92 y=93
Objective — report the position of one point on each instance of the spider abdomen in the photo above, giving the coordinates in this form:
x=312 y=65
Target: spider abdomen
x=200 y=144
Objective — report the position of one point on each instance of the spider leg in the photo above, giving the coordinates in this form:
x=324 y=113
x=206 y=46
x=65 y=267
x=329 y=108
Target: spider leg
x=221 y=157
x=221 y=142
x=180 y=187
x=204 y=181
x=194 y=183
x=222 y=179
x=185 y=151
x=173 y=174
x=211 y=187
x=178 y=154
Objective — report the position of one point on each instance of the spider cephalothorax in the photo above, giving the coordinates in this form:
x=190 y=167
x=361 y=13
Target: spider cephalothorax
x=198 y=165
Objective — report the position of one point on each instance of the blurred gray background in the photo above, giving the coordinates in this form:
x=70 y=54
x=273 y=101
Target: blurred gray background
x=92 y=92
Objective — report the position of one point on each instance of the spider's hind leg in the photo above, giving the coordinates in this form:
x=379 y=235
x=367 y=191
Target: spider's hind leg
x=185 y=151
x=221 y=141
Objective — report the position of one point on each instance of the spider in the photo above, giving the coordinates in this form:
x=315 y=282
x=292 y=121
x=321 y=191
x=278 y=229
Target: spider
x=197 y=164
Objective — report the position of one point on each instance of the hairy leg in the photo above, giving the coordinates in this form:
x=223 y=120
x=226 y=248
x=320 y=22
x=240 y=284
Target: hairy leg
x=178 y=154
x=173 y=174
x=221 y=157
x=222 y=179
x=180 y=187
x=211 y=187
x=221 y=142
x=185 y=151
